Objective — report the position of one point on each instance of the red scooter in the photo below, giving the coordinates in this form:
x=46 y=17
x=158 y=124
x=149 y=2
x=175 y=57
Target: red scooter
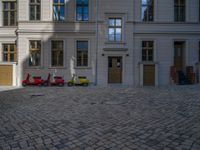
x=36 y=81
x=57 y=81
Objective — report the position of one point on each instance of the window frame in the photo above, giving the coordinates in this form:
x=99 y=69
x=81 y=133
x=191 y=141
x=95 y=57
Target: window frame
x=148 y=48
x=9 y=52
x=63 y=45
x=35 y=49
x=59 y=4
x=115 y=27
x=88 y=53
x=148 y=12
x=9 y=10
x=179 y=6
x=82 y=13
x=35 y=4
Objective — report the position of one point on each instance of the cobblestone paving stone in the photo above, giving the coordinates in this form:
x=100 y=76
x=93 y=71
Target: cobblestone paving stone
x=100 y=118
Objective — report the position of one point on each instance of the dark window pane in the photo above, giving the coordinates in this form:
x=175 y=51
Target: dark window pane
x=5 y=57
x=5 y=18
x=82 y=45
x=82 y=10
x=82 y=53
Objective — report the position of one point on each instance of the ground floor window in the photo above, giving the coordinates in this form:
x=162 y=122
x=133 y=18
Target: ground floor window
x=9 y=53
x=82 y=53
x=35 y=53
x=147 y=50
x=57 y=53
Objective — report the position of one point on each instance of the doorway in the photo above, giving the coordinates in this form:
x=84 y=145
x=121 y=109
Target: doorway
x=179 y=56
x=114 y=69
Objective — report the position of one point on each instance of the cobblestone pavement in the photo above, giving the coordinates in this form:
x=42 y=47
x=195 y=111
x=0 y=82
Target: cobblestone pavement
x=100 y=118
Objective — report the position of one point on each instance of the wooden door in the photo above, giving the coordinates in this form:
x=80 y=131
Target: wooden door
x=6 y=72
x=179 y=56
x=114 y=69
x=149 y=75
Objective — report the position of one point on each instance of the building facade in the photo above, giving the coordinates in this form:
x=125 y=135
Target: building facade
x=128 y=42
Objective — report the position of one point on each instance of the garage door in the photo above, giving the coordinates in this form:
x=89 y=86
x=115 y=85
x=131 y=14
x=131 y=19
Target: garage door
x=6 y=75
x=149 y=75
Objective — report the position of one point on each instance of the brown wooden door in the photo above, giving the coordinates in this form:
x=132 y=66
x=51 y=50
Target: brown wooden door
x=149 y=75
x=6 y=74
x=114 y=69
x=179 y=56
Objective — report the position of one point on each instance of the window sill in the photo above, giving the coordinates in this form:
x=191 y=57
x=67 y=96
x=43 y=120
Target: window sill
x=34 y=67
x=148 y=62
x=81 y=21
x=54 y=67
x=112 y=42
x=86 y=67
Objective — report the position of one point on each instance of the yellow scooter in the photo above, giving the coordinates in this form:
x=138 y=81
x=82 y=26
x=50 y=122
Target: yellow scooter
x=78 y=80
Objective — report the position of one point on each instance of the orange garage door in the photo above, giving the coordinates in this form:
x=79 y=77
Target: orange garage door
x=6 y=75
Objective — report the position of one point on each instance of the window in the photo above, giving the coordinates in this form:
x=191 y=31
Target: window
x=199 y=51
x=9 y=53
x=57 y=53
x=35 y=53
x=59 y=10
x=35 y=10
x=147 y=10
x=9 y=13
x=82 y=10
x=147 y=50
x=82 y=53
x=179 y=10
x=115 y=30
x=199 y=10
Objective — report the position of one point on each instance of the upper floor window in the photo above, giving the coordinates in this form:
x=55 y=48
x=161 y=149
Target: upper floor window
x=82 y=53
x=147 y=50
x=199 y=51
x=115 y=29
x=82 y=10
x=147 y=10
x=9 y=53
x=35 y=9
x=179 y=10
x=35 y=53
x=199 y=10
x=59 y=10
x=9 y=13
x=57 y=53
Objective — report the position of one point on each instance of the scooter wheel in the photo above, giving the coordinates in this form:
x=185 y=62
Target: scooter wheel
x=69 y=84
x=24 y=84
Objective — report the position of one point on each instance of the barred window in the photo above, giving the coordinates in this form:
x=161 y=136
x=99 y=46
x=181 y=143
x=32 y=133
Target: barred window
x=34 y=53
x=59 y=10
x=147 y=10
x=147 y=50
x=35 y=9
x=82 y=10
x=179 y=10
x=9 y=13
x=115 y=29
x=9 y=53
x=57 y=53
x=82 y=53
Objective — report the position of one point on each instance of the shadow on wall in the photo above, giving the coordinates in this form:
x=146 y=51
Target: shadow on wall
x=51 y=47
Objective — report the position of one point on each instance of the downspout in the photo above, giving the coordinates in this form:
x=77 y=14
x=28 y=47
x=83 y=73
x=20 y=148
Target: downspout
x=97 y=41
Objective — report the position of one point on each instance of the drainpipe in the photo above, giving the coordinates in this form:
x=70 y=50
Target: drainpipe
x=97 y=41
